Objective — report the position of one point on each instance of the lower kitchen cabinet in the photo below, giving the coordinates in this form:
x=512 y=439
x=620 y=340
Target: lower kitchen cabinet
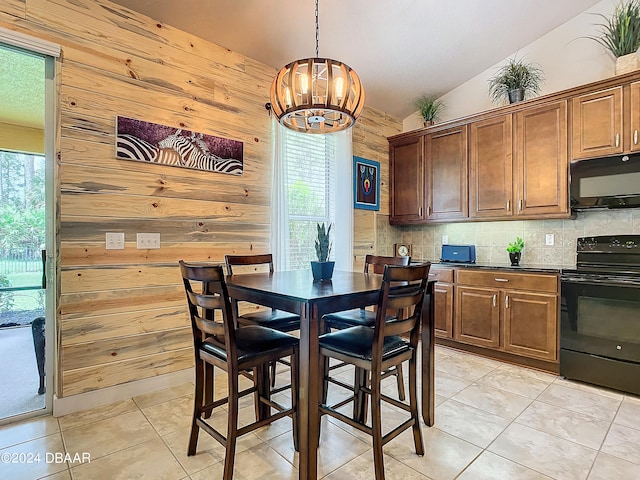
x=530 y=326
x=444 y=301
x=507 y=312
x=477 y=318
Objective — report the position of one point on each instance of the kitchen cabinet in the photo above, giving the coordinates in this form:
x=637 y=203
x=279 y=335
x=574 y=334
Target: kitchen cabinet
x=446 y=163
x=541 y=161
x=428 y=174
x=444 y=301
x=491 y=174
x=635 y=116
x=519 y=164
x=598 y=123
x=407 y=177
x=515 y=313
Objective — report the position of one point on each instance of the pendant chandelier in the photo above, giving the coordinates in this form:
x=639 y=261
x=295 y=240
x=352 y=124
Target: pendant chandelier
x=317 y=95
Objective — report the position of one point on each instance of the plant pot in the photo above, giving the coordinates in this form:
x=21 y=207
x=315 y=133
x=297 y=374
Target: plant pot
x=515 y=258
x=516 y=95
x=627 y=63
x=322 y=270
x=429 y=123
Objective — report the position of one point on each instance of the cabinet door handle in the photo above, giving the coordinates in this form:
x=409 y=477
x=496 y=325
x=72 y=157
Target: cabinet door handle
x=635 y=137
x=617 y=139
x=501 y=279
x=419 y=211
x=506 y=301
x=428 y=210
x=495 y=299
x=508 y=205
x=519 y=204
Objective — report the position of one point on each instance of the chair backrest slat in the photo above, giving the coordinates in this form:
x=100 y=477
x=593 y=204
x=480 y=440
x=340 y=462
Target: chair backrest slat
x=253 y=261
x=376 y=263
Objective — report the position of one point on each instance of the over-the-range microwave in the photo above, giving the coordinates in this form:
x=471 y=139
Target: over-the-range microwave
x=607 y=182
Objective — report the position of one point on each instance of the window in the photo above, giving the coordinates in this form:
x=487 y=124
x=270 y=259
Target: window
x=311 y=186
x=312 y=175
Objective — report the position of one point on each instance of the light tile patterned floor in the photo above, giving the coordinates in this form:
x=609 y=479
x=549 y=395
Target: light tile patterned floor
x=493 y=421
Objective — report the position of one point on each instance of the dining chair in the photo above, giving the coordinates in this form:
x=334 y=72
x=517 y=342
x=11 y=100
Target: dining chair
x=276 y=319
x=364 y=317
x=374 y=350
x=219 y=342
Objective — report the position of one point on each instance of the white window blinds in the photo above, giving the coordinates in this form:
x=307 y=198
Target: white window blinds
x=311 y=185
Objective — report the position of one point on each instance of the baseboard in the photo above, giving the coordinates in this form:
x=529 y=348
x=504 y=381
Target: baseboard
x=105 y=396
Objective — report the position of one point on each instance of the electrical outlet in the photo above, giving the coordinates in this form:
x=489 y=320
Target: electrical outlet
x=549 y=239
x=445 y=239
x=114 y=241
x=145 y=241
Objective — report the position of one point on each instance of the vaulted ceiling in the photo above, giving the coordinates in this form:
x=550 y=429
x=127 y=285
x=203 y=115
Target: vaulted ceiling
x=401 y=49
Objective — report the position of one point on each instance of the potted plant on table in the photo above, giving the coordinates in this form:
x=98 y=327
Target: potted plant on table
x=430 y=108
x=323 y=268
x=515 y=81
x=620 y=35
x=515 y=251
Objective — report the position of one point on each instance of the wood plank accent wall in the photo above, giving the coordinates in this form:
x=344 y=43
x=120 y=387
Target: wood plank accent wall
x=121 y=314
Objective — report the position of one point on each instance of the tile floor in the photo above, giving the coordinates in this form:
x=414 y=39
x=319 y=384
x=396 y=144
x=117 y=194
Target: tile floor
x=493 y=421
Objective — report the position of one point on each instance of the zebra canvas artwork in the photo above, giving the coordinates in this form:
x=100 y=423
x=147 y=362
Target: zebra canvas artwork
x=149 y=142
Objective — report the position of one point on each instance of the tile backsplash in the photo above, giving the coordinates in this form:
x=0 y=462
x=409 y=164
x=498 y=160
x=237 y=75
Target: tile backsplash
x=491 y=238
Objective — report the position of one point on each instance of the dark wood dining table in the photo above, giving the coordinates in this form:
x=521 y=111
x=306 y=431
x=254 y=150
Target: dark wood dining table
x=296 y=292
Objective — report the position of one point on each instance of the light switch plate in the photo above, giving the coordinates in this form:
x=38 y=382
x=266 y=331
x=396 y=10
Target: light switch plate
x=549 y=239
x=114 y=241
x=146 y=241
x=445 y=239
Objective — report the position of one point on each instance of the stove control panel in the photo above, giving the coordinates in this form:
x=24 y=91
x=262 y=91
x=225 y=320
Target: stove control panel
x=609 y=244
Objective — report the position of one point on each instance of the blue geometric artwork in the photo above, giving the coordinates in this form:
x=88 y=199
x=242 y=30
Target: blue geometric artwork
x=366 y=176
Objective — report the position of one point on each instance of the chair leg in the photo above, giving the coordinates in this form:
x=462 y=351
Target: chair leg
x=400 y=381
x=272 y=373
x=294 y=401
x=413 y=403
x=376 y=427
x=325 y=381
x=262 y=380
x=197 y=407
x=360 y=398
x=232 y=425
x=209 y=387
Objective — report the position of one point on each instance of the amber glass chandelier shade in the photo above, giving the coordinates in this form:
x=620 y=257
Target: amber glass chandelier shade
x=317 y=95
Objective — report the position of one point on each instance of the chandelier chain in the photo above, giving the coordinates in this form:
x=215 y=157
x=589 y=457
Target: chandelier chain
x=317 y=30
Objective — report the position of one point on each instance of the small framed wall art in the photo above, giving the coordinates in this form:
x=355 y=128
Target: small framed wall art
x=366 y=181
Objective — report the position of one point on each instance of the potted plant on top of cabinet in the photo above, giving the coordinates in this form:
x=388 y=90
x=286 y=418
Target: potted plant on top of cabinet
x=430 y=108
x=515 y=81
x=621 y=35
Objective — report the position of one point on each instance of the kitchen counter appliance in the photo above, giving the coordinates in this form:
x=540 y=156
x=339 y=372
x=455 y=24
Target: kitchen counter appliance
x=600 y=313
x=458 y=254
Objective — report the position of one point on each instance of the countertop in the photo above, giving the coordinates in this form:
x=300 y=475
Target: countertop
x=529 y=268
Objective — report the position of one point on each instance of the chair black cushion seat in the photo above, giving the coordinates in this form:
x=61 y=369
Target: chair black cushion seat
x=357 y=341
x=276 y=319
x=252 y=341
x=352 y=318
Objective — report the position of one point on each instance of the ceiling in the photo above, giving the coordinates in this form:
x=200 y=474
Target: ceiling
x=401 y=49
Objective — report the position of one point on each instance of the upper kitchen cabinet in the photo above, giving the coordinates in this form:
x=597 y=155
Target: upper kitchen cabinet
x=635 y=116
x=491 y=173
x=407 y=177
x=598 y=123
x=447 y=165
x=541 y=161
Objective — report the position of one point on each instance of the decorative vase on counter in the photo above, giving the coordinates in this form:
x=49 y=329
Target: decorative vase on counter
x=515 y=258
x=322 y=270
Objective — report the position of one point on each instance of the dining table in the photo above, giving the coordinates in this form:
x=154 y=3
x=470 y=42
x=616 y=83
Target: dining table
x=296 y=292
